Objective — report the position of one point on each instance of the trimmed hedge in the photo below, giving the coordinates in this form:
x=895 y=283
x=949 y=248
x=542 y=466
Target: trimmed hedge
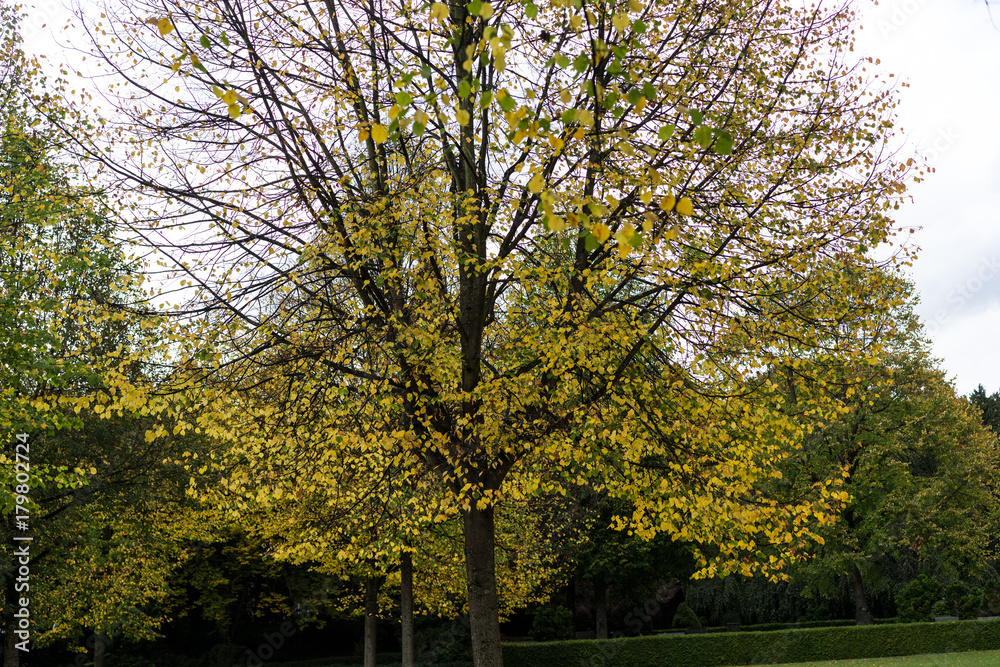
x=758 y=648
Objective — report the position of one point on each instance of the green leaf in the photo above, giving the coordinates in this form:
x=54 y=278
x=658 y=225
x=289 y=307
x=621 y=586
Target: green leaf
x=666 y=132
x=696 y=116
x=638 y=27
x=204 y=42
x=225 y=39
x=475 y=7
x=648 y=91
x=562 y=60
x=636 y=241
x=591 y=243
x=615 y=66
x=507 y=103
x=723 y=142
x=418 y=128
x=581 y=63
x=568 y=116
x=633 y=96
x=531 y=10
x=485 y=100
x=425 y=71
x=199 y=66
x=703 y=135
x=403 y=98
x=464 y=88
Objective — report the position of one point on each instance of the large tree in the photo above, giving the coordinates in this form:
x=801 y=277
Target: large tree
x=543 y=243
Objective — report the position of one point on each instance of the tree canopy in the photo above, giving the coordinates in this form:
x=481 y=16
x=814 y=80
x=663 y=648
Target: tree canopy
x=524 y=246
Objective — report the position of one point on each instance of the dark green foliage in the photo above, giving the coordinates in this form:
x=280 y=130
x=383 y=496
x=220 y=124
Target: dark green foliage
x=959 y=600
x=756 y=648
x=552 y=623
x=915 y=601
x=989 y=405
x=685 y=617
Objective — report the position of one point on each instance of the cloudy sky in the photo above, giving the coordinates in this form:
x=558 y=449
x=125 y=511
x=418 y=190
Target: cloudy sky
x=949 y=54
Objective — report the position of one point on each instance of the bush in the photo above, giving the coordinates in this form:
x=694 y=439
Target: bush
x=915 y=602
x=552 y=623
x=685 y=617
x=755 y=648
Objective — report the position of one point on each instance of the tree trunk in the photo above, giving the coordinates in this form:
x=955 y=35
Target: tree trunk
x=11 y=658
x=372 y=587
x=862 y=614
x=99 y=648
x=406 y=608
x=601 y=607
x=480 y=570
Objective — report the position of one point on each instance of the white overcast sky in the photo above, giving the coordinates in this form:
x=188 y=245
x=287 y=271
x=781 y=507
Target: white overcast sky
x=949 y=53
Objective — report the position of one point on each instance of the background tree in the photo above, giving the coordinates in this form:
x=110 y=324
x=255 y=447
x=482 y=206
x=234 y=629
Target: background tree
x=989 y=405
x=921 y=470
x=396 y=175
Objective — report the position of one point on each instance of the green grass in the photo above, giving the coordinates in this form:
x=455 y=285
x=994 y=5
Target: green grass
x=971 y=659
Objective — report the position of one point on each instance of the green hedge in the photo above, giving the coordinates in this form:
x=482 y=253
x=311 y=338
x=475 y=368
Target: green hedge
x=758 y=648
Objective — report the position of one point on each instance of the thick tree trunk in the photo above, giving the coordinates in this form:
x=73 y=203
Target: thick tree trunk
x=406 y=608
x=862 y=614
x=372 y=587
x=601 y=607
x=480 y=570
x=99 y=649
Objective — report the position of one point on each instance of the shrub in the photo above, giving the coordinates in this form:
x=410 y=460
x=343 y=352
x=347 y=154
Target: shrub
x=755 y=648
x=915 y=602
x=552 y=623
x=685 y=617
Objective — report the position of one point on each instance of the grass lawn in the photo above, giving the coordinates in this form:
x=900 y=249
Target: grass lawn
x=971 y=659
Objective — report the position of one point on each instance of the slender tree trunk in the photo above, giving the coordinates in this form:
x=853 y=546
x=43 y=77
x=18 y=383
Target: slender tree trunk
x=11 y=658
x=601 y=607
x=571 y=604
x=406 y=607
x=862 y=614
x=480 y=570
x=99 y=648
x=372 y=587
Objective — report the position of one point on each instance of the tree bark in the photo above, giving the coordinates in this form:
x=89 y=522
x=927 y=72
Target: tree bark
x=99 y=648
x=406 y=608
x=601 y=607
x=480 y=570
x=862 y=614
x=372 y=587
x=11 y=658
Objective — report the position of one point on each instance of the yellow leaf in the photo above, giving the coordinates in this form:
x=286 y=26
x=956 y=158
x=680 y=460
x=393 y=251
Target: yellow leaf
x=667 y=203
x=229 y=97
x=601 y=232
x=234 y=110
x=684 y=206
x=486 y=10
x=462 y=116
x=620 y=22
x=536 y=183
x=164 y=26
x=394 y=111
x=439 y=11
x=556 y=224
x=379 y=133
x=555 y=142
